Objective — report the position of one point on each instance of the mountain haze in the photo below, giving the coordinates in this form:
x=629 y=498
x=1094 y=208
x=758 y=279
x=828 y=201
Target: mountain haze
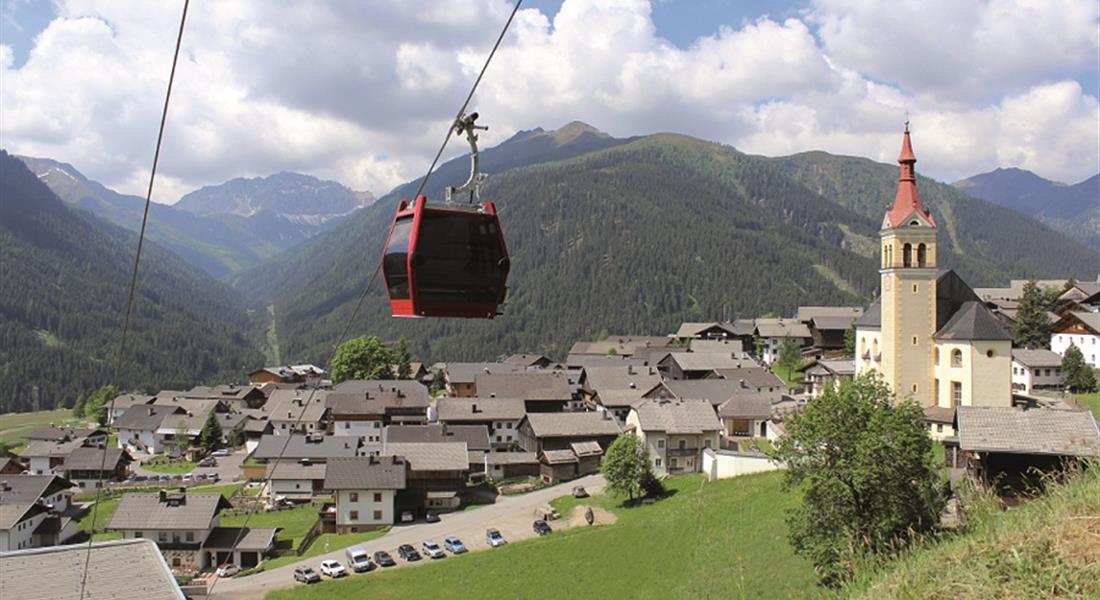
x=64 y=277
x=1071 y=209
x=217 y=241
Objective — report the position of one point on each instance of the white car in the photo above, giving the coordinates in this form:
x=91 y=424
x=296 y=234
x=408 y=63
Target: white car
x=432 y=549
x=227 y=570
x=494 y=538
x=220 y=452
x=333 y=569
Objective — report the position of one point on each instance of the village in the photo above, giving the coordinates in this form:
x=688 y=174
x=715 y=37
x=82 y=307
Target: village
x=291 y=475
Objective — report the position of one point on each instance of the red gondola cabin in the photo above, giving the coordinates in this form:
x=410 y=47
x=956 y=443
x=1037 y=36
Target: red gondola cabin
x=445 y=261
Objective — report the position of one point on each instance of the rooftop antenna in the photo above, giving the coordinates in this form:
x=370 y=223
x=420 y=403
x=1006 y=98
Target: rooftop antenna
x=472 y=187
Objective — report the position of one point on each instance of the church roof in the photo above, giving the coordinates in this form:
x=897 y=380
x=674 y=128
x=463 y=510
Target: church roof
x=951 y=294
x=872 y=317
x=907 y=200
x=973 y=321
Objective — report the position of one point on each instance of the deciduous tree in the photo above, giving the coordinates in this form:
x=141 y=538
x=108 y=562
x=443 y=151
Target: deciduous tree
x=1077 y=374
x=790 y=357
x=867 y=471
x=95 y=407
x=626 y=468
x=362 y=358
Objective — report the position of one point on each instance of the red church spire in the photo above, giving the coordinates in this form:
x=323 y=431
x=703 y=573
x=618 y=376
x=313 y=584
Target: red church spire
x=907 y=201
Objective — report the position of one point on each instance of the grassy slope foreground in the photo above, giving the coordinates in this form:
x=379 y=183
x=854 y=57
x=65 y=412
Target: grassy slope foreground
x=719 y=540
x=1047 y=548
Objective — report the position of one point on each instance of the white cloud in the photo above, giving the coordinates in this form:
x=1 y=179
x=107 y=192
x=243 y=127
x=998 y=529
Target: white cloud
x=362 y=92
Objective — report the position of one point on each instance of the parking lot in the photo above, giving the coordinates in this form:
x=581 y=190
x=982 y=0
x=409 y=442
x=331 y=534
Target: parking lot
x=511 y=515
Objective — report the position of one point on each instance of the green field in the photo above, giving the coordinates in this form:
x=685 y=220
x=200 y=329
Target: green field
x=1092 y=401
x=176 y=467
x=14 y=425
x=295 y=522
x=725 y=539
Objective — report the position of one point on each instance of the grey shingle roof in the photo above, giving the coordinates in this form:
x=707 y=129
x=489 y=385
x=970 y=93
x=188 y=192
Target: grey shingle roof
x=147 y=511
x=459 y=372
x=546 y=385
x=595 y=360
x=254 y=538
x=749 y=406
x=92 y=459
x=583 y=449
x=58 y=434
x=754 y=377
x=488 y=409
x=722 y=345
x=446 y=456
x=872 y=317
x=1036 y=358
x=296 y=405
x=678 y=416
x=808 y=313
x=1090 y=320
x=476 y=437
x=1036 y=431
x=782 y=328
x=293 y=469
x=141 y=417
x=511 y=458
x=42 y=448
x=710 y=361
x=558 y=457
x=28 y=489
x=366 y=473
x=623 y=377
x=620 y=398
x=834 y=323
x=575 y=424
x=112 y=567
x=623 y=345
x=973 y=321
x=301 y=446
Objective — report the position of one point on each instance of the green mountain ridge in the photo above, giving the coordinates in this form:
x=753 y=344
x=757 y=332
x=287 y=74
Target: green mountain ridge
x=64 y=276
x=636 y=235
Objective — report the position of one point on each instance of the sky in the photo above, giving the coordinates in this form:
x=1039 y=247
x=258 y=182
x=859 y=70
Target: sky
x=362 y=92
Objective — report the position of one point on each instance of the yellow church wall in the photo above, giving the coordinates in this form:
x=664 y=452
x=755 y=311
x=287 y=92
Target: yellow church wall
x=985 y=380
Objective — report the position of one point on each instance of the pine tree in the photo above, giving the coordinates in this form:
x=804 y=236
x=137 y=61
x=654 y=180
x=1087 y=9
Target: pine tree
x=1077 y=375
x=850 y=341
x=95 y=407
x=78 y=406
x=210 y=438
x=1032 y=329
x=404 y=368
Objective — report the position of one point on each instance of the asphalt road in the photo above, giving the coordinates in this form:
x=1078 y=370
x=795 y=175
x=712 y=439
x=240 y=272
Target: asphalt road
x=229 y=467
x=511 y=515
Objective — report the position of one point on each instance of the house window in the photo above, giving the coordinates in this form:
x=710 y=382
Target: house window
x=353 y=497
x=922 y=256
x=706 y=443
x=907 y=255
x=939 y=428
x=660 y=443
x=914 y=340
x=672 y=463
x=377 y=515
x=138 y=534
x=915 y=288
x=956 y=358
x=936 y=390
x=956 y=393
x=162 y=536
x=683 y=444
x=354 y=515
x=656 y=462
x=190 y=536
x=914 y=388
x=347 y=425
x=378 y=496
x=176 y=562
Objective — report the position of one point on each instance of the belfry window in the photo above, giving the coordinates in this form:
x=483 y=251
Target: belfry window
x=907 y=255
x=922 y=256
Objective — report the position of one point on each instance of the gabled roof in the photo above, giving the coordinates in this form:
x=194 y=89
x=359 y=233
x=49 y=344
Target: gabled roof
x=511 y=458
x=558 y=457
x=730 y=345
x=1091 y=321
x=808 y=313
x=40 y=448
x=622 y=345
x=583 y=449
x=973 y=321
x=872 y=317
x=782 y=328
x=527 y=360
x=93 y=459
x=1036 y=358
x=694 y=330
x=131 y=569
x=299 y=405
x=316 y=447
x=677 y=416
x=576 y=424
x=28 y=489
x=621 y=377
x=292 y=469
x=715 y=391
x=951 y=294
x=749 y=406
x=479 y=409
x=125 y=401
x=545 y=385
x=446 y=456
x=148 y=511
x=366 y=473
x=833 y=323
x=710 y=361
x=615 y=398
x=463 y=373
x=1035 y=431
x=141 y=417
x=60 y=434
x=595 y=360
x=12 y=514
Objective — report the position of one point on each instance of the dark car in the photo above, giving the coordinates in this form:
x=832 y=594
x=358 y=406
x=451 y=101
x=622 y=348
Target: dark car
x=306 y=575
x=383 y=559
x=431 y=517
x=407 y=552
x=541 y=527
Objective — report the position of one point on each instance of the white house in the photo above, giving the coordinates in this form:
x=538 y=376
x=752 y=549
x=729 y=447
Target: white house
x=501 y=416
x=1081 y=329
x=675 y=432
x=365 y=488
x=137 y=428
x=1035 y=369
x=295 y=480
x=35 y=511
x=771 y=334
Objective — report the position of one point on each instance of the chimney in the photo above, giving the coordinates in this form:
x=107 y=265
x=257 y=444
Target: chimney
x=289 y=414
x=632 y=385
x=493 y=395
x=742 y=383
x=304 y=461
x=474 y=408
x=151 y=411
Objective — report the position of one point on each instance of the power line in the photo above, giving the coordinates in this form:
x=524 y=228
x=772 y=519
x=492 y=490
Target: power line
x=370 y=282
x=133 y=288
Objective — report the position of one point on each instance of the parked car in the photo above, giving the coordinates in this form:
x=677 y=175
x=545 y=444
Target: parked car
x=306 y=575
x=541 y=527
x=163 y=478
x=454 y=545
x=187 y=477
x=333 y=569
x=431 y=517
x=407 y=552
x=200 y=477
x=432 y=549
x=209 y=461
x=213 y=476
x=383 y=559
x=494 y=538
x=358 y=559
x=221 y=452
x=227 y=570
x=407 y=516
x=579 y=491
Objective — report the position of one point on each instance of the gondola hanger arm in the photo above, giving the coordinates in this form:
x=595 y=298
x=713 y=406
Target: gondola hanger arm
x=466 y=124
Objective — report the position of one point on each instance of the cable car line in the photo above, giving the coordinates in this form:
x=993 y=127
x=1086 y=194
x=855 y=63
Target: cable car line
x=133 y=288
x=366 y=289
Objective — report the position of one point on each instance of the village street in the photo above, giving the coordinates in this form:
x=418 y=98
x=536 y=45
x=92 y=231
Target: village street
x=511 y=515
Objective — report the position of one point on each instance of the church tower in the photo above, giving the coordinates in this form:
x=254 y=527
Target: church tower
x=908 y=273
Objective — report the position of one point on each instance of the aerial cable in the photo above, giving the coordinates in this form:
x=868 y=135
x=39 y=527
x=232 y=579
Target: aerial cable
x=370 y=283
x=133 y=288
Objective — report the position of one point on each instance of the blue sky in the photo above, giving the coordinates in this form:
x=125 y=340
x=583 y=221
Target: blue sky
x=358 y=91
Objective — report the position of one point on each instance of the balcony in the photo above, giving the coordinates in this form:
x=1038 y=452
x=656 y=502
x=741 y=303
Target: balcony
x=690 y=451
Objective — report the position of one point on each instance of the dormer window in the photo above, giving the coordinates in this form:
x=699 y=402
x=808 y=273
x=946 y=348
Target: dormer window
x=914 y=223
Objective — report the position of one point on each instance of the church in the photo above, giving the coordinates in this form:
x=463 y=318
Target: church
x=929 y=335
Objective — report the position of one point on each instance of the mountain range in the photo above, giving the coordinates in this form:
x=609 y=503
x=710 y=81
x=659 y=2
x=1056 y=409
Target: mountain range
x=635 y=235
x=1071 y=209
x=64 y=278
x=220 y=229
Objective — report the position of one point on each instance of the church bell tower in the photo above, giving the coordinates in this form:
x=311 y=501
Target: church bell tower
x=908 y=273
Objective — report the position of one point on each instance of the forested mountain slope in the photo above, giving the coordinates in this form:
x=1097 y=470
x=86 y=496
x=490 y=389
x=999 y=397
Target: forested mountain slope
x=986 y=243
x=1072 y=209
x=639 y=235
x=64 y=276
